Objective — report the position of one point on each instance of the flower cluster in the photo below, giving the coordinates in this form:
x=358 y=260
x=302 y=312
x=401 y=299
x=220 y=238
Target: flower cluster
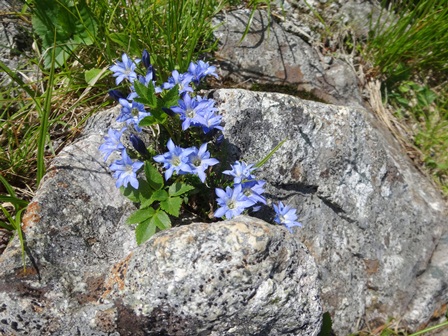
x=186 y=160
x=187 y=118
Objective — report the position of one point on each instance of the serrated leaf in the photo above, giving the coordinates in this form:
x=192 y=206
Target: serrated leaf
x=148 y=121
x=140 y=216
x=146 y=94
x=161 y=220
x=139 y=195
x=158 y=195
x=144 y=231
x=170 y=98
x=172 y=205
x=178 y=189
x=153 y=177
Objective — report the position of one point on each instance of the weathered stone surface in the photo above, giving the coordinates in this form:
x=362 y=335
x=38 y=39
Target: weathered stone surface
x=14 y=38
x=238 y=277
x=269 y=54
x=75 y=230
x=373 y=223
x=86 y=276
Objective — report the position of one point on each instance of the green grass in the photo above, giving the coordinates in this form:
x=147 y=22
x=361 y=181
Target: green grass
x=410 y=50
x=413 y=39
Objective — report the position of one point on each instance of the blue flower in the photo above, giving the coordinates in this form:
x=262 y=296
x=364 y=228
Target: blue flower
x=176 y=160
x=146 y=59
x=183 y=80
x=232 y=202
x=253 y=190
x=112 y=142
x=189 y=110
x=116 y=94
x=286 y=216
x=125 y=70
x=241 y=172
x=125 y=171
x=139 y=146
x=210 y=121
x=132 y=113
x=200 y=70
x=200 y=160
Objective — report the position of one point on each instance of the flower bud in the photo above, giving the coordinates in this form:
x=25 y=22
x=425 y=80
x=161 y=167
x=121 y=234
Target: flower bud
x=139 y=146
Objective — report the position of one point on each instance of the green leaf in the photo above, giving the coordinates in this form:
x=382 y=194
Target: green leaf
x=146 y=94
x=172 y=205
x=148 y=121
x=154 y=178
x=178 y=189
x=170 y=98
x=72 y=25
x=140 y=216
x=267 y=157
x=144 y=231
x=158 y=195
x=325 y=330
x=93 y=75
x=161 y=220
x=139 y=195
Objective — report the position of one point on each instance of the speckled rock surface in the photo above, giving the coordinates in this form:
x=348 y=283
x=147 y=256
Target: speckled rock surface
x=270 y=54
x=238 y=277
x=374 y=224
x=15 y=39
x=85 y=275
x=75 y=230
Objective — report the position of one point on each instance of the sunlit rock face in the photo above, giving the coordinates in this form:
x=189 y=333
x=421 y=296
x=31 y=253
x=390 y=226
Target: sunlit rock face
x=373 y=223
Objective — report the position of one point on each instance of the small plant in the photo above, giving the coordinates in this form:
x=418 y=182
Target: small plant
x=183 y=167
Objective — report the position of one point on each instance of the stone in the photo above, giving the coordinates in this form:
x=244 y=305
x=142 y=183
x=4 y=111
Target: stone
x=15 y=40
x=85 y=275
x=374 y=224
x=237 y=277
x=269 y=54
x=75 y=230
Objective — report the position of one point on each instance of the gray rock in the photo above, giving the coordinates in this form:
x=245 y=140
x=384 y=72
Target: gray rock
x=75 y=231
x=268 y=54
x=15 y=39
x=237 y=277
x=373 y=223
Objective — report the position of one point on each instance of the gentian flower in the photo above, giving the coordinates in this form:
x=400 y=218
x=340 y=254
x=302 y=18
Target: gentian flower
x=132 y=113
x=124 y=70
x=232 y=202
x=146 y=59
x=183 y=80
x=139 y=146
x=253 y=190
x=200 y=160
x=190 y=110
x=112 y=142
x=200 y=70
x=125 y=171
x=286 y=216
x=210 y=121
x=176 y=160
x=116 y=95
x=240 y=172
